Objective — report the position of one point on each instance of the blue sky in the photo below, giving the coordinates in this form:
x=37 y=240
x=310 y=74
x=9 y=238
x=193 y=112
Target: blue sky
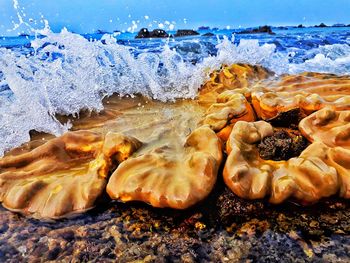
x=88 y=15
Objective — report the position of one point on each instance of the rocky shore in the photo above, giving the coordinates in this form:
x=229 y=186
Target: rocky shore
x=223 y=228
x=280 y=195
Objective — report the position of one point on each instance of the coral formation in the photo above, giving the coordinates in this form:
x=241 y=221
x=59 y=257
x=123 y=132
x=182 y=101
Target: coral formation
x=63 y=176
x=329 y=126
x=307 y=92
x=169 y=155
x=306 y=178
x=171 y=175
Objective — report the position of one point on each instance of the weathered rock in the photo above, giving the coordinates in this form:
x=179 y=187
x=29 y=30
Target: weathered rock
x=156 y=33
x=173 y=175
x=307 y=93
x=64 y=176
x=185 y=32
x=209 y=34
x=282 y=145
x=321 y=25
x=329 y=126
x=259 y=30
x=319 y=171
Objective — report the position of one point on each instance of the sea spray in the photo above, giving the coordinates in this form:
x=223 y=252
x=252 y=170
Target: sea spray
x=65 y=73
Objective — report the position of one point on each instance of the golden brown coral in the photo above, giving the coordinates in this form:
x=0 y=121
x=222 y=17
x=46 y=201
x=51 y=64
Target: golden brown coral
x=67 y=174
x=236 y=77
x=319 y=171
x=306 y=92
x=230 y=108
x=62 y=177
x=328 y=126
x=172 y=175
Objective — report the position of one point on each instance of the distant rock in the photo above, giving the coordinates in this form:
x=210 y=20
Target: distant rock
x=259 y=30
x=156 y=33
x=209 y=34
x=300 y=26
x=215 y=29
x=101 y=32
x=282 y=28
x=203 y=28
x=321 y=25
x=339 y=25
x=186 y=32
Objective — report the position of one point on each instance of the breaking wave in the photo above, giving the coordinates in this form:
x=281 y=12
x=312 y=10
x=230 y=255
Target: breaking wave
x=64 y=73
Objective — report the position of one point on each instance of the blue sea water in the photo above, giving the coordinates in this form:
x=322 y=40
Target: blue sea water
x=63 y=73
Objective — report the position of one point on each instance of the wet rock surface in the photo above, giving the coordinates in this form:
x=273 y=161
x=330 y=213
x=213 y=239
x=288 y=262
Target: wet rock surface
x=282 y=146
x=156 y=33
x=222 y=228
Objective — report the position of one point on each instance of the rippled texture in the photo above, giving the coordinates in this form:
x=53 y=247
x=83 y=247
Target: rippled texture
x=170 y=175
x=168 y=154
x=64 y=176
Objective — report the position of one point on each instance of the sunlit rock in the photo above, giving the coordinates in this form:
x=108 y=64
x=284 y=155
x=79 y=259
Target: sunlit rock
x=64 y=176
x=320 y=171
x=328 y=126
x=172 y=175
x=307 y=92
x=229 y=108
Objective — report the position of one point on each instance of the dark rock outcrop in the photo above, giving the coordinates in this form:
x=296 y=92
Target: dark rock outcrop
x=259 y=30
x=156 y=33
x=209 y=34
x=321 y=25
x=300 y=26
x=282 y=146
x=186 y=32
x=203 y=28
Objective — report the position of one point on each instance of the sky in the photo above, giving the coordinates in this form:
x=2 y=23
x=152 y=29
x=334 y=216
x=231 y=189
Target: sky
x=86 y=16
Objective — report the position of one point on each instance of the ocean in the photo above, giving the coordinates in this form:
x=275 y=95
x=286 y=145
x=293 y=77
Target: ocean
x=65 y=73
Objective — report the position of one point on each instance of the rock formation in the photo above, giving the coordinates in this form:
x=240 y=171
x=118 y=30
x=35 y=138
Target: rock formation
x=285 y=138
x=156 y=33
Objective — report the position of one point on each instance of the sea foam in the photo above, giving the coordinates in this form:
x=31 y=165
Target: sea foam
x=65 y=73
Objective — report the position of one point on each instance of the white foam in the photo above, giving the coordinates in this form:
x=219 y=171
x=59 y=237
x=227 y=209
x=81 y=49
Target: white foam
x=68 y=73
